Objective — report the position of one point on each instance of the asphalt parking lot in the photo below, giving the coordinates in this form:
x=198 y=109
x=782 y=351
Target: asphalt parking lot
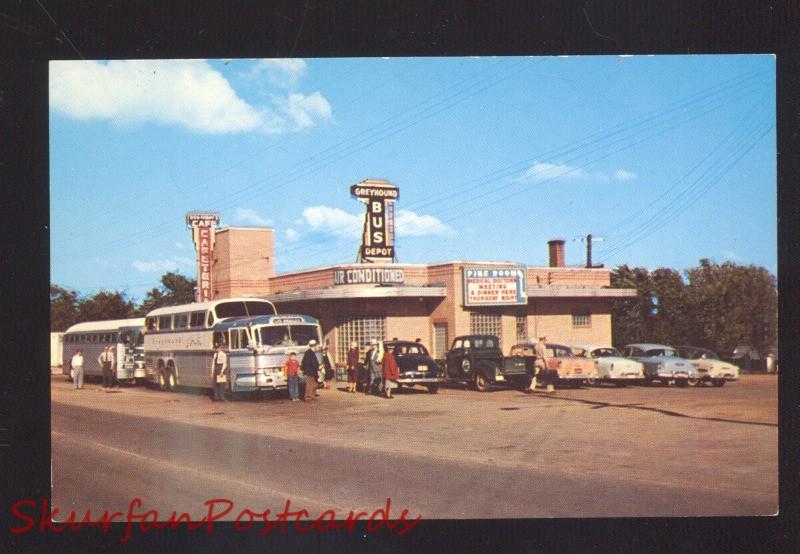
x=589 y=452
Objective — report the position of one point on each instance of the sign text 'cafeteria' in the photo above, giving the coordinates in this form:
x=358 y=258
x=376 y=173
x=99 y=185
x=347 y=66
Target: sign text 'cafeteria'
x=203 y=226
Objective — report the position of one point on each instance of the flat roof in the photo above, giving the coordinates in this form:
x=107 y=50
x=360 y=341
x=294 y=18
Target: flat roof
x=357 y=291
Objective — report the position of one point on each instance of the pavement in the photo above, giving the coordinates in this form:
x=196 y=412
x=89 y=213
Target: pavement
x=590 y=452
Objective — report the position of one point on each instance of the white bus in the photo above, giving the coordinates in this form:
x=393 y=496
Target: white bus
x=179 y=343
x=123 y=335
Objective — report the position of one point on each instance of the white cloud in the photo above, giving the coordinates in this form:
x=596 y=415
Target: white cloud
x=248 y=215
x=291 y=234
x=164 y=265
x=410 y=224
x=338 y=222
x=333 y=221
x=624 y=175
x=282 y=72
x=189 y=93
x=542 y=171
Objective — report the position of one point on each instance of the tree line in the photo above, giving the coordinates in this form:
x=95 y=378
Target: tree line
x=716 y=306
x=68 y=307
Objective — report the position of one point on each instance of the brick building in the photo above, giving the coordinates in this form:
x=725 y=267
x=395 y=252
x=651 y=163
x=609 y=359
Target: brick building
x=433 y=302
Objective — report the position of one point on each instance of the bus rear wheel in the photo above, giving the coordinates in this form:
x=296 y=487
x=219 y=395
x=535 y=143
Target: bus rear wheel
x=171 y=378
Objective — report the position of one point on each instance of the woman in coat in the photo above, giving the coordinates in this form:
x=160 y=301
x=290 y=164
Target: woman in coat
x=352 y=367
x=391 y=373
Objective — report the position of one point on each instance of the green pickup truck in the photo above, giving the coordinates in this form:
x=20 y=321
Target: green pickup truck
x=478 y=361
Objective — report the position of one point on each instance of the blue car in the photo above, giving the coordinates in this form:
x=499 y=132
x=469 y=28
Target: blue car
x=662 y=363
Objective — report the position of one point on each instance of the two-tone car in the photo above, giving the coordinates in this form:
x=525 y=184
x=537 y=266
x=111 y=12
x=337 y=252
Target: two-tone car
x=662 y=363
x=564 y=368
x=712 y=370
x=416 y=365
x=612 y=366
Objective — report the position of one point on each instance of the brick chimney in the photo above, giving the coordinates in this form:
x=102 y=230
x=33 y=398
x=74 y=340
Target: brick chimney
x=556 y=247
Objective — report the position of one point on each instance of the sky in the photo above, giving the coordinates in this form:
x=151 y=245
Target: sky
x=664 y=159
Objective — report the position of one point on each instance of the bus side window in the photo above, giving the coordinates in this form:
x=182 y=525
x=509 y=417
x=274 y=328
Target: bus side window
x=234 y=338
x=181 y=321
x=209 y=319
x=165 y=322
x=244 y=339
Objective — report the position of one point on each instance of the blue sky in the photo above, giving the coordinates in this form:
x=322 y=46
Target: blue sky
x=668 y=158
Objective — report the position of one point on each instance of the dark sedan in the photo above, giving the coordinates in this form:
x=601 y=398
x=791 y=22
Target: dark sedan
x=416 y=365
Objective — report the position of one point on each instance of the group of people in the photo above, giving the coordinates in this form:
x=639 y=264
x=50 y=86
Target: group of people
x=379 y=370
x=105 y=360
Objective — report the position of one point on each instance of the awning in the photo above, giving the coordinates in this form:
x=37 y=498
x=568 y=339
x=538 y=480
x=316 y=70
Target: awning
x=350 y=292
x=579 y=292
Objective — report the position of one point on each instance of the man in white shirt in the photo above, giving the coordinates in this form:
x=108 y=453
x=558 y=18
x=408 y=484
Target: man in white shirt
x=106 y=361
x=77 y=369
x=219 y=364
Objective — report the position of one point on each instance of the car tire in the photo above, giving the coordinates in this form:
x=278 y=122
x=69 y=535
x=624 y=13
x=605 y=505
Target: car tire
x=621 y=384
x=481 y=382
x=681 y=382
x=162 y=380
x=433 y=389
x=718 y=382
x=693 y=382
x=592 y=382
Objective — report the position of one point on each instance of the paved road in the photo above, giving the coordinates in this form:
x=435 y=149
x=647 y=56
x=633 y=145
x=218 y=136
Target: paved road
x=586 y=453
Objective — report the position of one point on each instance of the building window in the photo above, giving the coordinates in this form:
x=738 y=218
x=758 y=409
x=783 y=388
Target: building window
x=359 y=329
x=522 y=328
x=485 y=324
x=439 y=340
x=581 y=318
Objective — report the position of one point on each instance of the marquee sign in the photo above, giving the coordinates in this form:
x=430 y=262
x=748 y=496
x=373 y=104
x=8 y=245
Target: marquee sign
x=494 y=286
x=203 y=226
x=378 y=238
x=369 y=275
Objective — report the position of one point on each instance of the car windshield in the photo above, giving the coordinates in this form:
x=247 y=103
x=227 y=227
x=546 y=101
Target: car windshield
x=288 y=335
x=660 y=352
x=605 y=352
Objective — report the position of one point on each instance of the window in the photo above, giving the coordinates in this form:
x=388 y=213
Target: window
x=244 y=338
x=581 y=318
x=484 y=324
x=439 y=339
x=234 y=338
x=243 y=309
x=522 y=327
x=152 y=323
x=221 y=338
x=359 y=329
x=456 y=344
x=181 y=321
x=197 y=319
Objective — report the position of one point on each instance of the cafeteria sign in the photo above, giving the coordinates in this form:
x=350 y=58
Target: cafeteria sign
x=203 y=226
x=494 y=286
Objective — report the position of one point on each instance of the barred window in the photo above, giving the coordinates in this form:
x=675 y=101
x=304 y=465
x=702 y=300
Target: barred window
x=359 y=329
x=522 y=328
x=581 y=318
x=485 y=324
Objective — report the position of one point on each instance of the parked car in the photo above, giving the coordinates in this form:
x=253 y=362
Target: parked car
x=564 y=367
x=712 y=370
x=662 y=363
x=612 y=367
x=416 y=365
x=478 y=360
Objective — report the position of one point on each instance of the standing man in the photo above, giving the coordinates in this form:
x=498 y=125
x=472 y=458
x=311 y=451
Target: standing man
x=541 y=363
x=219 y=364
x=106 y=361
x=77 y=368
x=367 y=365
x=310 y=367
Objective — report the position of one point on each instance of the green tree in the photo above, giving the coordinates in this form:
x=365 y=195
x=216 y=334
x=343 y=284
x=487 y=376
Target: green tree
x=63 y=308
x=732 y=304
x=671 y=317
x=632 y=319
x=105 y=305
x=175 y=289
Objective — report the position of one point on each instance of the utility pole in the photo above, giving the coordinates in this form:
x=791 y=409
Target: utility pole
x=589 y=238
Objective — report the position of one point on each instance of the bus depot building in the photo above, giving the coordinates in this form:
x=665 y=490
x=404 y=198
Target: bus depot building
x=432 y=302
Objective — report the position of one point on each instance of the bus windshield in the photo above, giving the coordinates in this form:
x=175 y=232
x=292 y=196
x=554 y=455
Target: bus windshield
x=288 y=335
x=243 y=309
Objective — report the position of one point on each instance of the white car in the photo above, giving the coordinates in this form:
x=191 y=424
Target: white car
x=612 y=367
x=712 y=369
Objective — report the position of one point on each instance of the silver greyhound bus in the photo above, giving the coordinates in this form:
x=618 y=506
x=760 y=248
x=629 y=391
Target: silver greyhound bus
x=124 y=336
x=179 y=343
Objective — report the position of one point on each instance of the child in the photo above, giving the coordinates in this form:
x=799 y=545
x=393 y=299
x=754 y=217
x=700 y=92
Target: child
x=291 y=369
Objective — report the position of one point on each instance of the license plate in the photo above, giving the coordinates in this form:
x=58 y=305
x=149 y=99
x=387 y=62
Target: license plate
x=422 y=368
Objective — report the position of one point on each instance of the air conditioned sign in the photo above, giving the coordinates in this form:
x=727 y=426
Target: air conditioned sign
x=378 y=238
x=494 y=286
x=203 y=233
x=368 y=275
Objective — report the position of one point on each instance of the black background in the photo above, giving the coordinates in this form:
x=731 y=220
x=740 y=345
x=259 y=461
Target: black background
x=33 y=32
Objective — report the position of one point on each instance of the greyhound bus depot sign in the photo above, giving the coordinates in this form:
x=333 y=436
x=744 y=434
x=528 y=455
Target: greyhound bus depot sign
x=494 y=286
x=203 y=225
x=378 y=239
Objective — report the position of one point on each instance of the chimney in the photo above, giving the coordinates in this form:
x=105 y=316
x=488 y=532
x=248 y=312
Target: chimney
x=556 y=247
